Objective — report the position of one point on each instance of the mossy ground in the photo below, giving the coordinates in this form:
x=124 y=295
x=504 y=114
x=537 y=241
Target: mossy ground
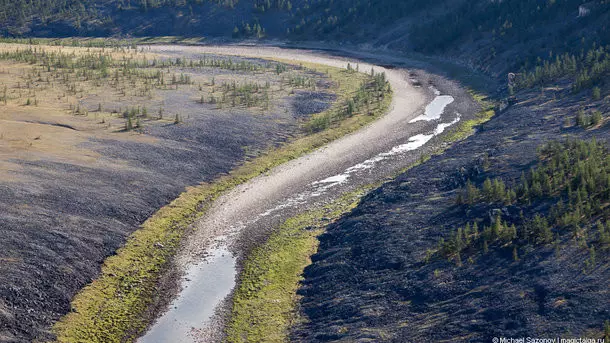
x=466 y=128
x=113 y=308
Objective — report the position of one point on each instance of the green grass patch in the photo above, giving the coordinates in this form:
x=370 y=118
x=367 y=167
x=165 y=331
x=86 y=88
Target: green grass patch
x=466 y=128
x=265 y=300
x=114 y=307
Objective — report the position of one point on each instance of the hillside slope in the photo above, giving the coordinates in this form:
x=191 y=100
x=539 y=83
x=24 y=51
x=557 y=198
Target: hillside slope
x=203 y=18
x=494 y=36
x=390 y=270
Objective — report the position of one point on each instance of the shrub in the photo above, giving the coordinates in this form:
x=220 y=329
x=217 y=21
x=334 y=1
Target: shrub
x=596 y=93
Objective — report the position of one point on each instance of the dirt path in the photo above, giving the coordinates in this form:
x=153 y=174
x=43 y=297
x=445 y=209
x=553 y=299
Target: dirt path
x=244 y=216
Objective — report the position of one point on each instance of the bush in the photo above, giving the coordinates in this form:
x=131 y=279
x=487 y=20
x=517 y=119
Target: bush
x=596 y=93
x=319 y=123
x=596 y=117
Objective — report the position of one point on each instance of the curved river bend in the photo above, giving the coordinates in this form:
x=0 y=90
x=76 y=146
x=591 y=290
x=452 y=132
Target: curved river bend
x=373 y=153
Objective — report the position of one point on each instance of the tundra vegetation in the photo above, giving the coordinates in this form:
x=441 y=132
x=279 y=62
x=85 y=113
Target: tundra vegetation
x=131 y=80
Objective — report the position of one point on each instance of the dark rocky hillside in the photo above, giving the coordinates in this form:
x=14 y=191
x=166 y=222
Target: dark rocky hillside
x=495 y=37
x=492 y=35
x=202 y=18
x=382 y=274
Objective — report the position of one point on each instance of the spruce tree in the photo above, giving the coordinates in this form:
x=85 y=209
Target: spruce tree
x=487 y=189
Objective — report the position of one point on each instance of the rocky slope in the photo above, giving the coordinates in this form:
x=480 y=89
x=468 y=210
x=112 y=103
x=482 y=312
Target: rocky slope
x=378 y=277
x=495 y=36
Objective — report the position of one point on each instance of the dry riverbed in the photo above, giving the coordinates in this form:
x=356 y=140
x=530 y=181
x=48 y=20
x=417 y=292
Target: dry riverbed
x=423 y=107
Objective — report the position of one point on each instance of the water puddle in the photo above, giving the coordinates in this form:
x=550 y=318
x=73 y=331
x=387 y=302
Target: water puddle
x=207 y=284
x=322 y=186
x=435 y=109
